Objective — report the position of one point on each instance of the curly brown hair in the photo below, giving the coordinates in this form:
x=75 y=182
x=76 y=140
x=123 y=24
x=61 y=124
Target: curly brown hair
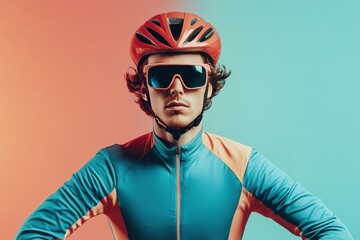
x=136 y=78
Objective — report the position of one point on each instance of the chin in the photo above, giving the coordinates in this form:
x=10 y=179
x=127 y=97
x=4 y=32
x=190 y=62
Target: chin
x=178 y=123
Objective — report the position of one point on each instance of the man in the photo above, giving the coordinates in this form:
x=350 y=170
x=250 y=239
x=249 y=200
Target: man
x=179 y=182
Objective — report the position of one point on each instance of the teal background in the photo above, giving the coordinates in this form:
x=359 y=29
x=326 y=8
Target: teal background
x=294 y=94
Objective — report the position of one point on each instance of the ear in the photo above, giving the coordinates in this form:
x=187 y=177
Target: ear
x=209 y=92
x=143 y=91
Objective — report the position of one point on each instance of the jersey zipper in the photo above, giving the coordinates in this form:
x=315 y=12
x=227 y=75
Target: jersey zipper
x=178 y=193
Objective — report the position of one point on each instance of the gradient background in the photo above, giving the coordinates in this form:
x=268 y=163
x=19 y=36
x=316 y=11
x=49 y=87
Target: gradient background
x=294 y=95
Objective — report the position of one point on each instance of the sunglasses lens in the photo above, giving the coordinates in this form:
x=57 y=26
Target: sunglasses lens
x=194 y=76
x=161 y=76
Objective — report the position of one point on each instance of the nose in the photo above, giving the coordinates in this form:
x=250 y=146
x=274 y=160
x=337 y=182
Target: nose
x=176 y=87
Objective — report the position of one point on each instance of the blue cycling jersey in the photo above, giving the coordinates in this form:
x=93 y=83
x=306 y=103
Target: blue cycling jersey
x=205 y=189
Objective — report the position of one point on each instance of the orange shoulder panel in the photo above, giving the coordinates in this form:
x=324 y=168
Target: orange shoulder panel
x=145 y=142
x=235 y=155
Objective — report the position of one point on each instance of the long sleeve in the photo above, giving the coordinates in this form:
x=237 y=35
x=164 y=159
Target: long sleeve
x=89 y=192
x=288 y=203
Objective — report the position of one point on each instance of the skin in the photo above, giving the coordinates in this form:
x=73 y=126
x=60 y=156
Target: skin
x=177 y=106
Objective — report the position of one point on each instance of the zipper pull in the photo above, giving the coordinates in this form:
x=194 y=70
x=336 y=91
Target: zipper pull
x=178 y=151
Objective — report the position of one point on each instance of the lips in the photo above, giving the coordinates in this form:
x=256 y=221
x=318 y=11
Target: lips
x=176 y=104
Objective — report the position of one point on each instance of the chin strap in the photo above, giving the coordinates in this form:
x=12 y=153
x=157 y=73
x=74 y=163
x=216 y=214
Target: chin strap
x=177 y=132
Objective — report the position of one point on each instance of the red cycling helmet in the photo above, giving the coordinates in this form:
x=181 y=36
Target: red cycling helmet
x=175 y=32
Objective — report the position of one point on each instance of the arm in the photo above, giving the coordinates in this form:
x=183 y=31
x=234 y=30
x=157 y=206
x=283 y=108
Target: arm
x=88 y=193
x=288 y=203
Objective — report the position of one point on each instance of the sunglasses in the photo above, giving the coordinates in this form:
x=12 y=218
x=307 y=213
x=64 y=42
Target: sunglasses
x=161 y=75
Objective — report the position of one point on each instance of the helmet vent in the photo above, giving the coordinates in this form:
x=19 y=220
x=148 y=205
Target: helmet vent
x=156 y=21
x=207 y=35
x=193 y=21
x=144 y=39
x=158 y=36
x=176 y=25
x=194 y=34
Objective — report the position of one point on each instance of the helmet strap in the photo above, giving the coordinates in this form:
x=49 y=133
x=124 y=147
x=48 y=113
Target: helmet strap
x=177 y=132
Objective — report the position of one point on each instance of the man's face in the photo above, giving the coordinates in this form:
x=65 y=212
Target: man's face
x=177 y=106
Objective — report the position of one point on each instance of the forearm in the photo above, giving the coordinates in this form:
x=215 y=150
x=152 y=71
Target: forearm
x=88 y=193
x=288 y=203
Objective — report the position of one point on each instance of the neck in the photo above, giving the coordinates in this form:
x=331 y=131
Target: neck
x=184 y=138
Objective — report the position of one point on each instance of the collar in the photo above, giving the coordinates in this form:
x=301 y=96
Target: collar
x=168 y=152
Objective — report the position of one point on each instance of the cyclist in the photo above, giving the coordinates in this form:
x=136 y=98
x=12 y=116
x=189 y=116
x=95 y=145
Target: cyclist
x=178 y=181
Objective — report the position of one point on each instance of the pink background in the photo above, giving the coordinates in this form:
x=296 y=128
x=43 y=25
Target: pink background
x=63 y=96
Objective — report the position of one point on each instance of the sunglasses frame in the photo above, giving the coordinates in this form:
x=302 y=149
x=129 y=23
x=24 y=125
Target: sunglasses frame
x=148 y=66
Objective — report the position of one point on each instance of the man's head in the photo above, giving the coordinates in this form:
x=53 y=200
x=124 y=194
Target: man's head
x=169 y=84
x=193 y=45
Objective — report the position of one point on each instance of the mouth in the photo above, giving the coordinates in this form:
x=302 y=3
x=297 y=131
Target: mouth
x=176 y=105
